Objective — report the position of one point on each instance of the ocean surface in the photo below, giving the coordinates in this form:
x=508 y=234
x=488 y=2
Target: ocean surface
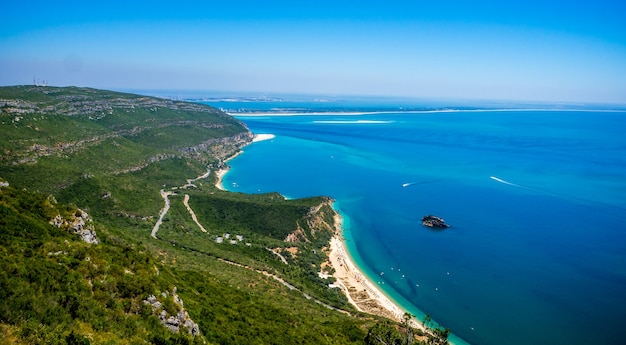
x=537 y=202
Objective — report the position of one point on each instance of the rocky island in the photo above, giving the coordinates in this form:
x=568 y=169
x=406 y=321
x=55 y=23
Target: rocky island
x=434 y=222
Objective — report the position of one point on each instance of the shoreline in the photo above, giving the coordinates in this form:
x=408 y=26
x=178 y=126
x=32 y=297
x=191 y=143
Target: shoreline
x=219 y=174
x=360 y=290
x=262 y=137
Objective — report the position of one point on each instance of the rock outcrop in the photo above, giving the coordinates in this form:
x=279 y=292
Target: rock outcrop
x=319 y=218
x=434 y=222
x=78 y=223
x=173 y=322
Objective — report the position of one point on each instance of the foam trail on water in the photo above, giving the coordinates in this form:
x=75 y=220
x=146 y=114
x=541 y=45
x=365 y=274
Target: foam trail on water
x=505 y=182
x=409 y=184
x=520 y=186
x=559 y=195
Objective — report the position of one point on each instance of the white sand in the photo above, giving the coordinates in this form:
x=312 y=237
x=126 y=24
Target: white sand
x=220 y=175
x=261 y=137
x=361 y=292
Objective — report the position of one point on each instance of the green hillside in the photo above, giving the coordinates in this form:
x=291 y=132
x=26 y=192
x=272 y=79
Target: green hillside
x=84 y=175
x=89 y=140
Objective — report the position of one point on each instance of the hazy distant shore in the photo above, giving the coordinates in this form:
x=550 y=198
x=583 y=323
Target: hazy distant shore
x=353 y=113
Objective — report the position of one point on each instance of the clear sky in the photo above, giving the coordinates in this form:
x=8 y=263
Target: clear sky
x=572 y=51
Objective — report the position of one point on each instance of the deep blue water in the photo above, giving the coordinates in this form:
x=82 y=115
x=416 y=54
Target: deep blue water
x=536 y=257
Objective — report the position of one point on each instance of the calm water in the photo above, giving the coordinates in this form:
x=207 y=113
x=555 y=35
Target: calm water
x=537 y=202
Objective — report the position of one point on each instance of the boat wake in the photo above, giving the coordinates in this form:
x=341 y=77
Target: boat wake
x=409 y=184
x=523 y=187
x=559 y=195
x=505 y=182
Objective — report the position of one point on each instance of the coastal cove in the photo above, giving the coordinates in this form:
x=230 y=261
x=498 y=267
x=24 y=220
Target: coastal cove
x=359 y=288
x=498 y=275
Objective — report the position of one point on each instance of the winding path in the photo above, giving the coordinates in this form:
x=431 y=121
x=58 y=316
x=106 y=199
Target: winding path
x=193 y=215
x=285 y=283
x=164 y=210
x=282 y=258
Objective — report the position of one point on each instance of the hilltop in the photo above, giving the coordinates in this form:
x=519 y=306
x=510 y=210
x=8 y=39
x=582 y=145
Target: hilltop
x=112 y=231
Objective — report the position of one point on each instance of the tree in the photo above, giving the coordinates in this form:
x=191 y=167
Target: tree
x=440 y=336
x=384 y=333
x=406 y=319
x=427 y=320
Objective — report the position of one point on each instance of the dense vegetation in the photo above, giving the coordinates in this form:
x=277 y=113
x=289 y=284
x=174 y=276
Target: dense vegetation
x=252 y=278
x=56 y=289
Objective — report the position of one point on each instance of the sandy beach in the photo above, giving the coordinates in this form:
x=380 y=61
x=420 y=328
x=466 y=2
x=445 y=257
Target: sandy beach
x=261 y=137
x=362 y=293
x=220 y=174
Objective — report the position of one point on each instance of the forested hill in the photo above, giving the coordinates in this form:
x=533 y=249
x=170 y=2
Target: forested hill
x=113 y=232
x=53 y=137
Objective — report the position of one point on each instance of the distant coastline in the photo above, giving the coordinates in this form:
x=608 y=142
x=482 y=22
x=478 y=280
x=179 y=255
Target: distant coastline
x=434 y=111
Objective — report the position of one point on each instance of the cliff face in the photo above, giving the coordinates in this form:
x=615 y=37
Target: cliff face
x=320 y=221
x=224 y=148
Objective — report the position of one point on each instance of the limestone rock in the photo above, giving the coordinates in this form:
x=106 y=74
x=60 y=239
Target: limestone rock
x=173 y=322
x=78 y=223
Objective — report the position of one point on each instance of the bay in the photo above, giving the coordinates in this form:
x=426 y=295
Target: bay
x=536 y=199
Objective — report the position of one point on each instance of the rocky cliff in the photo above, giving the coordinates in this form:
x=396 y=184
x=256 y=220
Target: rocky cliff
x=319 y=219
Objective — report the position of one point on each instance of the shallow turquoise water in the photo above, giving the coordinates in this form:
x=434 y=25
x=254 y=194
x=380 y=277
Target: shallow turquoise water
x=537 y=201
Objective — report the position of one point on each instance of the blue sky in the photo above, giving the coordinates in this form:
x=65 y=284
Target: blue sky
x=501 y=50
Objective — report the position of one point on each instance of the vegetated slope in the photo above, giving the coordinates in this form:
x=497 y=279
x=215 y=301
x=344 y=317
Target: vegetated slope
x=57 y=289
x=86 y=140
x=253 y=277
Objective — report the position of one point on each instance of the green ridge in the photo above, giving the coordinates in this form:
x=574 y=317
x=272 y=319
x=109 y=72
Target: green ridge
x=110 y=154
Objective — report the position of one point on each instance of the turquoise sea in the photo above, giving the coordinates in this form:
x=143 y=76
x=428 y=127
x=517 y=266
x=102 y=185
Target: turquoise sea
x=537 y=202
